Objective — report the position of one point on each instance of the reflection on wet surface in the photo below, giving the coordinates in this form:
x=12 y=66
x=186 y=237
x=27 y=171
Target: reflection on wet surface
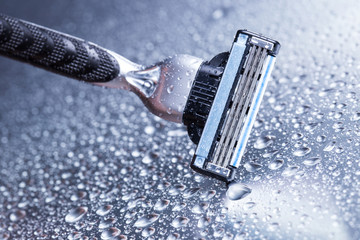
x=79 y=161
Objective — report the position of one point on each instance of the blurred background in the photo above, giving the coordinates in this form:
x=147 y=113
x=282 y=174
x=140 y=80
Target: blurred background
x=83 y=162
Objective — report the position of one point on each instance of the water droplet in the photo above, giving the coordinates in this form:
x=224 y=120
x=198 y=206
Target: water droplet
x=329 y=146
x=276 y=164
x=302 y=151
x=17 y=215
x=179 y=206
x=203 y=222
x=341 y=105
x=312 y=126
x=149 y=130
x=252 y=166
x=320 y=139
x=302 y=109
x=146 y=220
x=170 y=89
x=100 y=139
x=147 y=232
x=338 y=115
x=107 y=223
x=355 y=116
x=297 y=136
x=76 y=214
x=274 y=227
x=249 y=205
x=77 y=196
x=176 y=189
x=312 y=161
x=110 y=233
x=133 y=203
x=177 y=133
x=190 y=192
x=135 y=153
x=208 y=195
x=179 y=222
x=200 y=208
x=173 y=236
x=150 y=157
x=264 y=141
x=103 y=210
x=74 y=235
x=160 y=205
x=290 y=171
x=237 y=191
x=217 y=14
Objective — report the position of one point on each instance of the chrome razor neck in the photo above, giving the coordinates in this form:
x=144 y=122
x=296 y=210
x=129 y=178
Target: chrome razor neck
x=163 y=88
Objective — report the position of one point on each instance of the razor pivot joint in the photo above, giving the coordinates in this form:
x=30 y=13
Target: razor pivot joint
x=223 y=103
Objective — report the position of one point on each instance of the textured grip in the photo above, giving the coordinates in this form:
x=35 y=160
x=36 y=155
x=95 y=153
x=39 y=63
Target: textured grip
x=56 y=52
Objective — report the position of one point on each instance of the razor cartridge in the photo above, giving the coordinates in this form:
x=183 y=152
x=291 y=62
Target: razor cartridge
x=223 y=103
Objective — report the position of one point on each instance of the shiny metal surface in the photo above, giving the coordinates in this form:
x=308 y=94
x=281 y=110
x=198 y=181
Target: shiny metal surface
x=163 y=87
x=79 y=161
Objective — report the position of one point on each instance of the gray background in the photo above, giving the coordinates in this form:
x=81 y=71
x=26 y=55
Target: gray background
x=67 y=147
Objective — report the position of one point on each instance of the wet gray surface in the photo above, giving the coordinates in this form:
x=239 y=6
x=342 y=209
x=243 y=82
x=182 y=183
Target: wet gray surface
x=82 y=162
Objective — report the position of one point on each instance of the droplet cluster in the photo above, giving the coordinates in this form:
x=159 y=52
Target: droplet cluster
x=83 y=162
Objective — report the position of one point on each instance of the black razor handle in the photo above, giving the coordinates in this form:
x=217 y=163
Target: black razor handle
x=55 y=51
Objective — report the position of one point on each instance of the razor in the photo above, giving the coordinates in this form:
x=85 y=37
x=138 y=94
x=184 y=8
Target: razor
x=217 y=100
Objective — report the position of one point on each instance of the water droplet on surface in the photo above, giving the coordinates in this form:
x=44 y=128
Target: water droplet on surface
x=170 y=89
x=355 y=116
x=297 y=136
x=179 y=206
x=176 y=189
x=320 y=139
x=177 y=133
x=264 y=141
x=217 y=14
x=77 y=196
x=103 y=210
x=110 y=233
x=200 y=208
x=173 y=236
x=237 y=191
x=17 y=215
x=146 y=220
x=274 y=227
x=160 y=205
x=179 y=222
x=252 y=166
x=107 y=223
x=312 y=161
x=208 y=195
x=302 y=109
x=290 y=171
x=150 y=157
x=190 y=192
x=219 y=232
x=147 y=232
x=249 y=205
x=302 y=151
x=76 y=214
x=276 y=164
x=149 y=130
x=133 y=203
x=329 y=146
x=203 y=222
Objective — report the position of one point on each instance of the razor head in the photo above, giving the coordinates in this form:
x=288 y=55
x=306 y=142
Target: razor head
x=223 y=103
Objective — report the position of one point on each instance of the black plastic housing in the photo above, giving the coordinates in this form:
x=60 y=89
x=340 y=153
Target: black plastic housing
x=202 y=95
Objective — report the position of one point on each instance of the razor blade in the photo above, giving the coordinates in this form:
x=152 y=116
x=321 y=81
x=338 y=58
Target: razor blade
x=224 y=101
